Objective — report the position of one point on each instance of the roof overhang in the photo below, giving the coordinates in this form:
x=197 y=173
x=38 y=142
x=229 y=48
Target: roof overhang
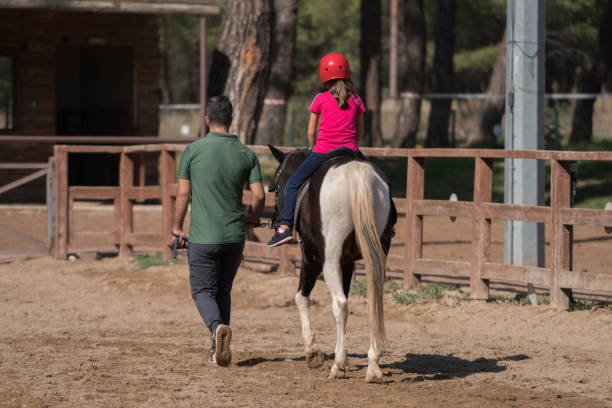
x=192 y=7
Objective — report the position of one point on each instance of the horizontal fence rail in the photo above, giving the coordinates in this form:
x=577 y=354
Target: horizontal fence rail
x=479 y=269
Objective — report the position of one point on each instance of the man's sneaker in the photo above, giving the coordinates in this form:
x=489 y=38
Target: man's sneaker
x=281 y=236
x=222 y=354
x=213 y=346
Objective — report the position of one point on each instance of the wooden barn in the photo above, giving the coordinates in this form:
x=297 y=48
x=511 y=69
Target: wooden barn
x=75 y=68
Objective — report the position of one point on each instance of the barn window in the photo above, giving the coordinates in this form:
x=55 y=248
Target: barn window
x=7 y=117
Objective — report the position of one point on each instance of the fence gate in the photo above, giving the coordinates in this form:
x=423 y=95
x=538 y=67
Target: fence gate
x=42 y=248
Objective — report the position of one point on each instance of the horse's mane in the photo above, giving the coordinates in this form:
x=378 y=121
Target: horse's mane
x=301 y=150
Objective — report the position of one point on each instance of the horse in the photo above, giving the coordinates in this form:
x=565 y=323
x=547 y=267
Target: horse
x=346 y=214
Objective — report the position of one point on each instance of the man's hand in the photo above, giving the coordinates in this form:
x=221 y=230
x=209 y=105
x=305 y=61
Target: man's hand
x=182 y=237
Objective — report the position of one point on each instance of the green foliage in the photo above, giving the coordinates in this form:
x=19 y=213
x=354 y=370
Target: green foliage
x=578 y=304
x=179 y=41
x=519 y=298
x=324 y=26
x=446 y=176
x=433 y=291
x=359 y=287
x=405 y=297
x=392 y=286
x=474 y=67
x=572 y=29
x=145 y=261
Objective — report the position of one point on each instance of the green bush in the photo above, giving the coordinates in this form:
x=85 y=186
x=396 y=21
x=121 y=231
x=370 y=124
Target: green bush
x=405 y=297
x=392 y=286
x=432 y=291
x=145 y=261
x=359 y=287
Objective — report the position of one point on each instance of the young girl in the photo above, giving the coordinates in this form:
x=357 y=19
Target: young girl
x=341 y=113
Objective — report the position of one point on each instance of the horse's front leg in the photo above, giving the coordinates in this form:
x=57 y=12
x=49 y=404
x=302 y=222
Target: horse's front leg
x=333 y=278
x=308 y=277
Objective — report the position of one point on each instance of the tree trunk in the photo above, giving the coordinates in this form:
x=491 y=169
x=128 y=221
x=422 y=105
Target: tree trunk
x=412 y=46
x=272 y=124
x=494 y=107
x=371 y=64
x=241 y=62
x=582 y=123
x=444 y=32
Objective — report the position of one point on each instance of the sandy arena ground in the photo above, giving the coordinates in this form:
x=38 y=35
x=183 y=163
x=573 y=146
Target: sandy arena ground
x=105 y=333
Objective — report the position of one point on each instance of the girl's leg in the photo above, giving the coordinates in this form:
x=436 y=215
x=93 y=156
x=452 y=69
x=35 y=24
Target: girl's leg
x=303 y=173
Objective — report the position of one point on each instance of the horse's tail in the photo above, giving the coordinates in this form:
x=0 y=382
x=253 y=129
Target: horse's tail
x=362 y=179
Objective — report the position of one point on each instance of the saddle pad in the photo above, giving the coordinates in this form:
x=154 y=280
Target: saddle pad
x=298 y=204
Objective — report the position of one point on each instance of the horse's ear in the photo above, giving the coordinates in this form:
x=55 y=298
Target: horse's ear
x=278 y=155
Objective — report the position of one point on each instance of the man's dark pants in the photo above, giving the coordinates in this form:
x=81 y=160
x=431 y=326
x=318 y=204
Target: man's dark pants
x=212 y=269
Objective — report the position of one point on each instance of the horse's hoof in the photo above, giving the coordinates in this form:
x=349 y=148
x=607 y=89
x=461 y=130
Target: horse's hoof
x=314 y=358
x=374 y=376
x=336 y=372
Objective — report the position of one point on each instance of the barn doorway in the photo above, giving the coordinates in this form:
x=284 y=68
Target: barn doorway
x=94 y=95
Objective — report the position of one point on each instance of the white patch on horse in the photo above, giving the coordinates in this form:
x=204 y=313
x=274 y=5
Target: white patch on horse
x=337 y=222
x=336 y=225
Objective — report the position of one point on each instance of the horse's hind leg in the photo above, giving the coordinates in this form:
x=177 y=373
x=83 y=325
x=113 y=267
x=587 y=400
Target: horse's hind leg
x=334 y=281
x=308 y=278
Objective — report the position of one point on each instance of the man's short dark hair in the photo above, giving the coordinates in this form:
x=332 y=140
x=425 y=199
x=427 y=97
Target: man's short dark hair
x=219 y=110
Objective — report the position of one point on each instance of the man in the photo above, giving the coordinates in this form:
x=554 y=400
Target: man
x=213 y=171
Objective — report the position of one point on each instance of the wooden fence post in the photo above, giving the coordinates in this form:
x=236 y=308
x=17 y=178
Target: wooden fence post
x=126 y=179
x=413 y=233
x=51 y=198
x=481 y=232
x=61 y=185
x=168 y=175
x=560 y=186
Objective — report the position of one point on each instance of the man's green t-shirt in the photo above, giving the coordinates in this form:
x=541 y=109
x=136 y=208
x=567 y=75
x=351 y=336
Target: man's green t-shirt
x=218 y=167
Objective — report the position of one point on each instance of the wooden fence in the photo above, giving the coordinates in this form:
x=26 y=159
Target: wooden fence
x=480 y=269
x=42 y=170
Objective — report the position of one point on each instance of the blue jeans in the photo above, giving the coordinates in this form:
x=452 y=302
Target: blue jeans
x=304 y=172
x=307 y=168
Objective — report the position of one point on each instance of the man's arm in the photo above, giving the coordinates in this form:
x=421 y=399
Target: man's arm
x=182 y=201
x=312 y=129
x=258 y=199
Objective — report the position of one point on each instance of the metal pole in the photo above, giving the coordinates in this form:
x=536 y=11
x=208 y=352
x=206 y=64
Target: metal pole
x=203 y=77
x=393 y=51
x=524 y=179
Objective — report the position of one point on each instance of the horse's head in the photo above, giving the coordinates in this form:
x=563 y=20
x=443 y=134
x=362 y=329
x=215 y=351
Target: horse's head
x=287 y=165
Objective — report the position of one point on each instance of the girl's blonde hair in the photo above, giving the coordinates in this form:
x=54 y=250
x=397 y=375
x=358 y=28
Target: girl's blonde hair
x=341 y=90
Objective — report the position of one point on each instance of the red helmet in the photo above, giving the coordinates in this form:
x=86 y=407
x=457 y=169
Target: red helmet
x=334 y=66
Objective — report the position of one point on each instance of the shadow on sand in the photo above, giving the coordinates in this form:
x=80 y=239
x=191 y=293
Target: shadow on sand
x=427 y=367
x=443 y=367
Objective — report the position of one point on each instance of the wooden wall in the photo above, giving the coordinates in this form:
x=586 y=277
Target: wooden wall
x=34 y=37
